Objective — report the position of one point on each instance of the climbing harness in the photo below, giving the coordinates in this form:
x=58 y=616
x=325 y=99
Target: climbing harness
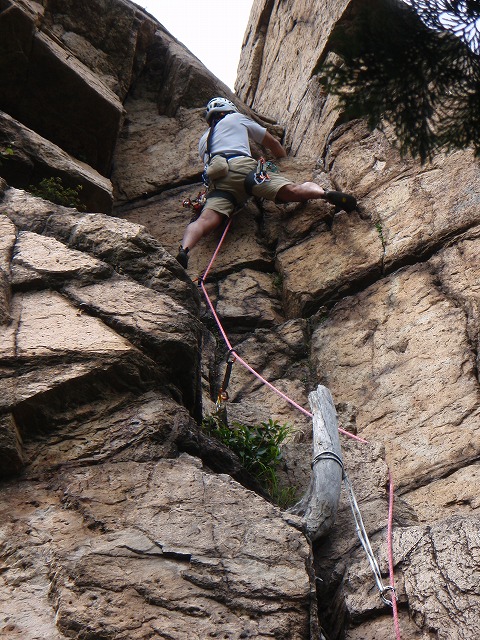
x=360 y=528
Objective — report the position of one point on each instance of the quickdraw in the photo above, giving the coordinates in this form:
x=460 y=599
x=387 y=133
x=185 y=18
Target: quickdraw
x=196 y=204
x=261 y=174
x=223 y=393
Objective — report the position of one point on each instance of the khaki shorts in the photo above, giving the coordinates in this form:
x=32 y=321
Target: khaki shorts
x=234 y=183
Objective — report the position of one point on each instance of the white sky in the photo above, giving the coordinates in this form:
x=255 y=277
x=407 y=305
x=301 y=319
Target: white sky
x=212 y=30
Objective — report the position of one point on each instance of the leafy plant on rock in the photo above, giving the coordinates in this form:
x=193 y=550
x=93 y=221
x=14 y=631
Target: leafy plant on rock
x=6 y=153
x=52 y=189
x=259 y=449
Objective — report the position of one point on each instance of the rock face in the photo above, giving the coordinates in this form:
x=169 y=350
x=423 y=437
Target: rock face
x=120 y=518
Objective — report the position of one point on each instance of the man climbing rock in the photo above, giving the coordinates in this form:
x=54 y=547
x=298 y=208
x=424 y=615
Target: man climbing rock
x=233 y=175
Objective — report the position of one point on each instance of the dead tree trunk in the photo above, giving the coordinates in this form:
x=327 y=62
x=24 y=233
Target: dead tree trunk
x=319 y=505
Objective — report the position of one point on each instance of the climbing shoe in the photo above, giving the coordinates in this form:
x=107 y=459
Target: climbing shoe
x=341 y=201
x=182 y=257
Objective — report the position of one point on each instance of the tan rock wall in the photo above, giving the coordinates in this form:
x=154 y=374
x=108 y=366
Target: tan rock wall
x=129 y=557
x=391 y=299
x=283 y=44
x=100 y=372
x=108 y=355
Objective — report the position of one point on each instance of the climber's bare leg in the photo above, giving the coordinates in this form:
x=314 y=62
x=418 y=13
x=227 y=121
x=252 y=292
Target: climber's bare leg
x=300 y=192
x=203 y=225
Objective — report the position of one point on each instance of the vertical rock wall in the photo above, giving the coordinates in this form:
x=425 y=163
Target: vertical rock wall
x=120 y=518
x=392 y=303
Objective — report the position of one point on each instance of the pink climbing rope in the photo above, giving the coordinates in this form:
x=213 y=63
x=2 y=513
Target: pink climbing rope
x=237 y=356
x=307 y=413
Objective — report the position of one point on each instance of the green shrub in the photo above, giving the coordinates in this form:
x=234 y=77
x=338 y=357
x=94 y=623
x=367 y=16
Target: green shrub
x=52 y=189
x=258 y=448
x=5 y=153
x=277 y=280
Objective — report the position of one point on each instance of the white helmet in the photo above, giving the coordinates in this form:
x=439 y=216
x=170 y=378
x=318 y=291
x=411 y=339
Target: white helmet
x=219 y=105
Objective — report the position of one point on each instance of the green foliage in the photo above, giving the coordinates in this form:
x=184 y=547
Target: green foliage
x=258 y=448
x=52 y=189
x=396 y=65
x=277 y=280
x=379 y=228
x=6 y=153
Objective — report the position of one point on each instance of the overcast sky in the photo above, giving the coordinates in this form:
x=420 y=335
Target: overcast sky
x=213 y=30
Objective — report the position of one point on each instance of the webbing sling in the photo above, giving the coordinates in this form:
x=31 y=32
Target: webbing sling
x=209 y=138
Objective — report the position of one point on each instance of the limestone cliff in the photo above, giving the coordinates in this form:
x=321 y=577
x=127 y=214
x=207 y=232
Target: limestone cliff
x=120 y=518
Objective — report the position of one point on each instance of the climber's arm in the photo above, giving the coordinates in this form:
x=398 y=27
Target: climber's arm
x=273 y=145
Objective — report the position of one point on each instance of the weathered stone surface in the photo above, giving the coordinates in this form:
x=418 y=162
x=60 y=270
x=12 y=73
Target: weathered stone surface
x=11 y=457
x=143 y=140
x=50 y=343
x=443 y=571
x=457 y=494
x=412 y=380
x=382 y=627
x=249 y=298
x=35 y=158
x=85 y=120
x=47 y=323
x=7 y=242
x=325 y=265
x=118 y=427
x=276 y=68
x=416 y=208
x=163 y=215
x=127 y=247
x=46 y=330
x=110 y=38
x=440 y=577
x=458 y=272
x=152 y=321
x=116 y=542
x=42 y=260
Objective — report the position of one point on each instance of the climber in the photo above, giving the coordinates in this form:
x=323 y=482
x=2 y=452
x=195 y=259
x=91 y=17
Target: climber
x=233 y=175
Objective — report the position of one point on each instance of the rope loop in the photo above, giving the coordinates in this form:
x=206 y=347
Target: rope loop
x=231 y=356
x=328 y=455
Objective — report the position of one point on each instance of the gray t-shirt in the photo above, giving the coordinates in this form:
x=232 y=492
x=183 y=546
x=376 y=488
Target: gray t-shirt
x=231 y=136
